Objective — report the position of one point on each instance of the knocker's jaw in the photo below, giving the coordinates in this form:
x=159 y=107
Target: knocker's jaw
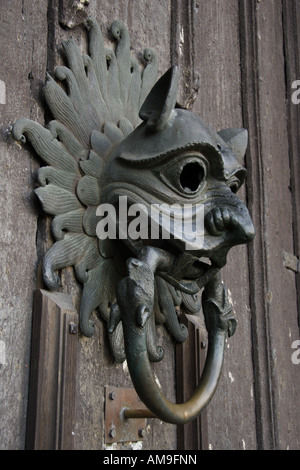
x=187 y=272
x=190 y=270
x=190 y=274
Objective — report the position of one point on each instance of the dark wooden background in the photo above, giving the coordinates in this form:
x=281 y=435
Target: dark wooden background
x=237 y=60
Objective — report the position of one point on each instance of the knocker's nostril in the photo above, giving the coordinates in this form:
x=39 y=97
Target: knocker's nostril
x=217 y=220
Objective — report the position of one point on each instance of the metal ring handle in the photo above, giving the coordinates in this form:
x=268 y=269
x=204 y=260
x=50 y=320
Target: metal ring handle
x=148 y=391
x=218 y=321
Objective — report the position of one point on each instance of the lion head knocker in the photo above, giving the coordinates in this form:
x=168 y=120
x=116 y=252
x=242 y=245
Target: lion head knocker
x=142 y=194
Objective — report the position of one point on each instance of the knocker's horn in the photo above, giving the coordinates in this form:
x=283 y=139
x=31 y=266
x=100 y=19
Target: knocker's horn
x=160 y=102
x=133 y=296
x=237 y=140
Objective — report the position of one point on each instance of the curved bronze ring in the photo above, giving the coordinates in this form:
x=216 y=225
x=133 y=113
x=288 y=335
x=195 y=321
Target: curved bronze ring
x=218 y=321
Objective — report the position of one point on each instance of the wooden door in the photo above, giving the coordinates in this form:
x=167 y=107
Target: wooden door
x=238 y=60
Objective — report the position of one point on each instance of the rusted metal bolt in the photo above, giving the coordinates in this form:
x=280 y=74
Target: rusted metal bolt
x=142 y=432
x=203 y=344
x=112 y=395
x=73 y=328
x=112 y=433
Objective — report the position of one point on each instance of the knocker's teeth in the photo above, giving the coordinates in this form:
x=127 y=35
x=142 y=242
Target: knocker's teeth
x=135 y=263
x=143 y=313
x=114 y=318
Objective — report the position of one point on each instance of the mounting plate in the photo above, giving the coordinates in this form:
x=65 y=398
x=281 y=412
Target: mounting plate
x=117 y=427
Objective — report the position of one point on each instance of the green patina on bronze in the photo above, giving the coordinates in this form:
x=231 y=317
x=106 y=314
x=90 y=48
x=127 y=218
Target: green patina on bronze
x=117 y=131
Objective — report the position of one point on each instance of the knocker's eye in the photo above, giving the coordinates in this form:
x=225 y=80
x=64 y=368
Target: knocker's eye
x=187 y=175
x=191 y=176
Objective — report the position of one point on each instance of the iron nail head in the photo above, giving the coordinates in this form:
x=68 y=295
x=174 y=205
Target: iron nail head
x=73 y=328
x=142 y=432
x=112 y=433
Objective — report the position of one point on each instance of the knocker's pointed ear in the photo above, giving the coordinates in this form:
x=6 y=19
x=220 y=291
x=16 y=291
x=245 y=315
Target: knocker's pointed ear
x=159 y=104
x=237 y=140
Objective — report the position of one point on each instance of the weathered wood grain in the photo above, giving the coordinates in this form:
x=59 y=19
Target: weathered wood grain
x=216 y=57
x=257 y=251
x=291 y=31
x=237 y=60
x=23 y=63
x=53 y=370
x=281 y=296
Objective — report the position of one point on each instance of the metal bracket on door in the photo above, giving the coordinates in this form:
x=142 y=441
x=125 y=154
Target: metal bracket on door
x=118 y=428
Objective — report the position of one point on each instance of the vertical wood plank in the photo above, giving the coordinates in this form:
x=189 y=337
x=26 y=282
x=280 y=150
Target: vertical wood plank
x=273 y=290
x=187 y=375
x=206 y=47
x=291 y=31
x=281 y=297
x=51 y=405
x=216 y=60
x=257 y=250
x=190 y=361
x=190 y=358
x=23 y=66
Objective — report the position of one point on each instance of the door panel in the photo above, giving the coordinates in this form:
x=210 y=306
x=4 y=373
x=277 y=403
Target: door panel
x=237 y=60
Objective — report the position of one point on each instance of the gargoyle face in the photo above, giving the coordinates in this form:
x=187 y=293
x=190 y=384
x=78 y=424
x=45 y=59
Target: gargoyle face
x=175 y=162
x=177 y=172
